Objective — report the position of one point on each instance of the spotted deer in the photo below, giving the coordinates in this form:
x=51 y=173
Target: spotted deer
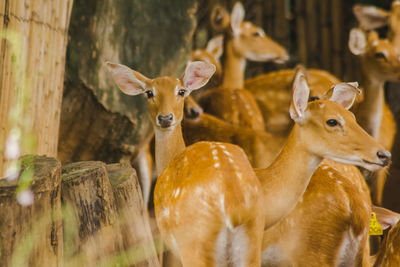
x=339 y=186
x=380 y=63
x=207 y=195
x=242 y=41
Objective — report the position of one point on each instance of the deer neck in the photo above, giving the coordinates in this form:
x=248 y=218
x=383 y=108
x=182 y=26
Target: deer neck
x=369 y=112
x=168 y=145
x=287 y=178
x=234 y=67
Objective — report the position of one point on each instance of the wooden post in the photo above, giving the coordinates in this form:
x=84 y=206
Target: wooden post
x=87 y=192
x=134 y=223
x=32 y=235
x=32 y=60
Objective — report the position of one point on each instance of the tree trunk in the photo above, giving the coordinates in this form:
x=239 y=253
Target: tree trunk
x=135 y=228
x=32 y=235
x=153 y=37
x=91 y=229
x=33 y=38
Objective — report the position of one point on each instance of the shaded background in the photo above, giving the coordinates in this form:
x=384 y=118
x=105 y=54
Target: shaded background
x=155 y=37
x=95 y=121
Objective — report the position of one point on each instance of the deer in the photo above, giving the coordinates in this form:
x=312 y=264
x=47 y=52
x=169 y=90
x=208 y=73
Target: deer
x=339 y=186
x=380 y=63
x=207 y=197
x=388 y=253
x=222 y=203
x=242 y=41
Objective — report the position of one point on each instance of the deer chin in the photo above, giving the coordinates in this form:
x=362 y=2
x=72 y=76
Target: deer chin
x=369 y=165
x=373 y=166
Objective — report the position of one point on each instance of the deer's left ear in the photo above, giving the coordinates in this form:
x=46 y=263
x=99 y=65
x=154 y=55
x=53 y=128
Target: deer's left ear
x=300 y=93
x=237 y=17
x=197 y=74
x=344 y=93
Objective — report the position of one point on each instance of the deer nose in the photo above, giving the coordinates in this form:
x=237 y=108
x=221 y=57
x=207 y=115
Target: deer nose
x=194 y=112
x=384 y=156
x=165 y=120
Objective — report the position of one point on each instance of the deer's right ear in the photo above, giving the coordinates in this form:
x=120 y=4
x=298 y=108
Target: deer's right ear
x=371 y=17
x=197 y=74
x=300 y=94
x=129 y=81
x=216 y=46
x=357 y=41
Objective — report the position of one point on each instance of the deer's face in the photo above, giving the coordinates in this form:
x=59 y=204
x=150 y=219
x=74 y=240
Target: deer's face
x=252 y=43
x=165 y=96
x=332 y=132
x=383 y=59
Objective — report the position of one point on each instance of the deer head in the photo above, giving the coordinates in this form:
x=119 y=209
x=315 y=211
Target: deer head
x=329 y=130
x=247 y=40
x=379 y=57
x=165 y=95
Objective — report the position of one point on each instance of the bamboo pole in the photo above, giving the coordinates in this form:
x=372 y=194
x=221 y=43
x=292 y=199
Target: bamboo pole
x=32 y=59
x=324 y=16
x=301 y=32
x=337 y=36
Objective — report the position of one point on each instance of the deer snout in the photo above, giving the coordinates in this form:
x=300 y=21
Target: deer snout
x=384 y=156
x=165 y=121
x=193 y=112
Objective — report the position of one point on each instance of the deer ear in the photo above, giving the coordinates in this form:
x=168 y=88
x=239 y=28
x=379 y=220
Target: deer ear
x=357 y=41
x=300 y=93
x=197 y=74
x=344 y=93
x=216 y=46
x=129 y=81
x=219 y=18
x=370 y=17
x=385 y=217
x=237 y=17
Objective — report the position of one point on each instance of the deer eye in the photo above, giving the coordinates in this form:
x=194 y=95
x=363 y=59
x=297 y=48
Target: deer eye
x=332 y=122
x=256 y=34
x=313 y=98
x=182 y=92
x=149 y=94
x=380 y=55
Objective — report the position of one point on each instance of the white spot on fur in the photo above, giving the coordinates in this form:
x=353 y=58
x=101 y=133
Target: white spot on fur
x=222 y=146
x=176 y=192
x=339 y=182
x=325 y=167
x=330 y=174
x=216 y=165
x=214 y=152
x=226 y=152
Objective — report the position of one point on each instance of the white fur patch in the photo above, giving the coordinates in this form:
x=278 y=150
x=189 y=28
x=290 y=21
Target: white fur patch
x=231 y=247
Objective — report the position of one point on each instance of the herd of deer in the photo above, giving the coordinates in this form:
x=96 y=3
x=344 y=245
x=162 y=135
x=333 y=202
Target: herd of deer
x=254 y=188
